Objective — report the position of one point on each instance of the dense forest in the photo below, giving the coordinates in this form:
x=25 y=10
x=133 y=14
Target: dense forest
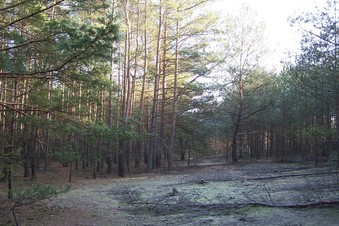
x=110 y=85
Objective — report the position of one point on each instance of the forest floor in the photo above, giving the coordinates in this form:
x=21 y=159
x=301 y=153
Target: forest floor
x=260 y=193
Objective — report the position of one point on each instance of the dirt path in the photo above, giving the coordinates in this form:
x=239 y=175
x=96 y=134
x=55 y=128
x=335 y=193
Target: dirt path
x=213 y=195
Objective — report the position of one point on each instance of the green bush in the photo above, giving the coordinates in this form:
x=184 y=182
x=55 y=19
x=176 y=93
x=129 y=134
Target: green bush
x=37 y=192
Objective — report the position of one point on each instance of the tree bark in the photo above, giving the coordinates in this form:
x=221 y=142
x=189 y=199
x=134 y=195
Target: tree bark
x=174 y=103
x=337 y=121
x=11 y=142
x=154 y=116
x=141 y=145
x=162 y=146
x=121 y=159
x=109 y=165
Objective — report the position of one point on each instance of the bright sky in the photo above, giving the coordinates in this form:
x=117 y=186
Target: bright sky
x=281 y=36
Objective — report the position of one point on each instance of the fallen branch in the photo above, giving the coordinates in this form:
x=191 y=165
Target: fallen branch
x=240 y=205
x=293 y=205
x=269 y=194
x=292 y=175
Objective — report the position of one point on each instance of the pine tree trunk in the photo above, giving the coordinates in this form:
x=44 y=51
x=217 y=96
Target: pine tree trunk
x=154 y=116
x=70 y=172
x=234 y=144
x=174 y=103
x=235 y=135
x=337 y=122
x=33 y=171
x=109 y=165
x=141 y=143
x=121 y=159
x=11 y=142
x=162 y=146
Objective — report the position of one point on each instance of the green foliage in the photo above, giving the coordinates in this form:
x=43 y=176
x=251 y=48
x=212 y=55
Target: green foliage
x=61 y=129
x=315 y=71
x=333 y=159
x=54 y=42
x=37 y=192
x=69 y=152
x=318 y=133
x=35 y=121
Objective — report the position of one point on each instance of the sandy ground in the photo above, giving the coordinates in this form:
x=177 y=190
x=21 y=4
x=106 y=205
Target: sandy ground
x=220 y=194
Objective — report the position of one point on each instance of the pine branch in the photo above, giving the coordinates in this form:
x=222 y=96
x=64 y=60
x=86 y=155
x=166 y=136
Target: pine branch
x=32 y=14
x=13 y=6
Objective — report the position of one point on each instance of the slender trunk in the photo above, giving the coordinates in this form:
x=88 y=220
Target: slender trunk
x=153 y=128
x=337 y=125
x=141 y=145
x=240 y=146
x=94 y=161
x=236 y=132
x=183 y=151
x=234 y=143
x=110 y=97
x=174 y=103
x=109 y=165
x=125 y=95
x=70 y=172
x=189 y=155
x=26 y=162
x=3 y=117
x=162 y=146
x=11 y=142
x=240 y=87
x=121 y=159
x=337 y=81
x=127 y=112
